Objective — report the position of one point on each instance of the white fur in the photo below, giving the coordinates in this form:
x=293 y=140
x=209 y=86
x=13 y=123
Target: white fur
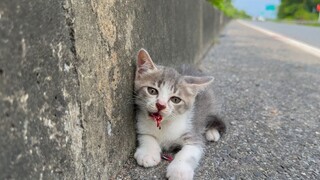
x=179 y=171
x=213 y=135
x=184 y=163
x=148 y=153
x=171 y=128
x=164 y=93
x=152 y=139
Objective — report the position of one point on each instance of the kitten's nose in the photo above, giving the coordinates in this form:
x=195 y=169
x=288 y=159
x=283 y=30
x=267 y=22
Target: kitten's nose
x=160 y=106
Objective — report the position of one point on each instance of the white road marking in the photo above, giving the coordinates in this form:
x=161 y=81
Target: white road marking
x=307 y=48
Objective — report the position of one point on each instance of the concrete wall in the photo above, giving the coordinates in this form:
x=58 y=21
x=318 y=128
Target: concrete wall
x=66 y=78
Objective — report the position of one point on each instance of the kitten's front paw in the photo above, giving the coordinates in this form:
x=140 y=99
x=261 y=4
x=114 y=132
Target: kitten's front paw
x=179 y=171
x=147 y=159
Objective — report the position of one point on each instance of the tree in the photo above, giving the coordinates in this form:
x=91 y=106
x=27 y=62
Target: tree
x=227 y=7
x=298 y=9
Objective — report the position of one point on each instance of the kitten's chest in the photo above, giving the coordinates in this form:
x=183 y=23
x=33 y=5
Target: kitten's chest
x=170 y=132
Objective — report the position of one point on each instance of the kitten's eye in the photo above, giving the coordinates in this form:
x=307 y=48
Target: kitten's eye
x=175 y=100
x=152 y=91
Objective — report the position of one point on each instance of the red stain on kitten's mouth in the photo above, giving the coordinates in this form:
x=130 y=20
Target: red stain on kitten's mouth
x=157 y=118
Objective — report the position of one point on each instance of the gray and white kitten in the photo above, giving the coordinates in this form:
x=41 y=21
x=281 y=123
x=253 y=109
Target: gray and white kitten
x=173 y=109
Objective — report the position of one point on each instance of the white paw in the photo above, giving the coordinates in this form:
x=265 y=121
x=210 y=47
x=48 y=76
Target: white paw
x=212 y=135
x=179 y=171
x=147 y=158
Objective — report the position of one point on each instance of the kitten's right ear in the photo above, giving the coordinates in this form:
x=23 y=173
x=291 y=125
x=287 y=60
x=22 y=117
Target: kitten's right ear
x=144 y=62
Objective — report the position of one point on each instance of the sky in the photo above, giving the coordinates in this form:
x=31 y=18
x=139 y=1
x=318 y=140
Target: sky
x=257 y=7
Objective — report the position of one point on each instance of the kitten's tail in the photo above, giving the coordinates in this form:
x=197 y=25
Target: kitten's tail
x=215 y=127
x=217 y=123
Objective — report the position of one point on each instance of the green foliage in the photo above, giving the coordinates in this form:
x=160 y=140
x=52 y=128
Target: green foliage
x=298 y=9
x=227 y=7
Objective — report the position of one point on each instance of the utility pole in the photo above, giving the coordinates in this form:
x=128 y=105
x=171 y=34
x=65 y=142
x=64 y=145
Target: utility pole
x=318 y=9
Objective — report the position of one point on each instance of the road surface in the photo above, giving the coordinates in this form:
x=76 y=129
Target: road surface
x=307 y=34
x=270 y=96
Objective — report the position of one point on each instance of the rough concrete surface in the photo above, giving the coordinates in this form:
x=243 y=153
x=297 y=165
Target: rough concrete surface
x=270 y=96
x=40 y=125
x=66 y=78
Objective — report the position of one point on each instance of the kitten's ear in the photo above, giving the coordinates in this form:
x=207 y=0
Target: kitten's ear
x=199 y=83
x=144 y=62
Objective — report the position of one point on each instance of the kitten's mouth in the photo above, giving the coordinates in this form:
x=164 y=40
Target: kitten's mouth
x=157 y=118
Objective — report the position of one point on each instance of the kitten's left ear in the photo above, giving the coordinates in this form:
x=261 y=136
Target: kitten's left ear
x=144 y=62
x=199 y=83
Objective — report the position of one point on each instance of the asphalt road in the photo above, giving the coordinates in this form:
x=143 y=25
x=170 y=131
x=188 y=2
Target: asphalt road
x=270 y=96
x=307 y=34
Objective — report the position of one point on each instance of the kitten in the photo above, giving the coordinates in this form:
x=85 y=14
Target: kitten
x=173 y=109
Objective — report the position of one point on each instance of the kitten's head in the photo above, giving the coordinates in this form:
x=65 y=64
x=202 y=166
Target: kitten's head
x=163 y=90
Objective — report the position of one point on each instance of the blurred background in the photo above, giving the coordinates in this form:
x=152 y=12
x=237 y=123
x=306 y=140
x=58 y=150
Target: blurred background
x=298 y=11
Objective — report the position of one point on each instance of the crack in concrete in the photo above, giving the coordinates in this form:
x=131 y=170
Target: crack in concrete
x=69 y=15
